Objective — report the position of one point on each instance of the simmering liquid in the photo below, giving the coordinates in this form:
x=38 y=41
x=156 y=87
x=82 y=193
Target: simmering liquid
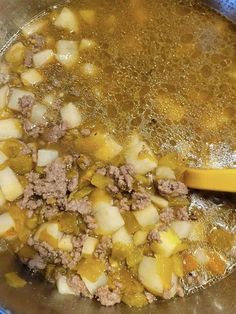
x=165 y=70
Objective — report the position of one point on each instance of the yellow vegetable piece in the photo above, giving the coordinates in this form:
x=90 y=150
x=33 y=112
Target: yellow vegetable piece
x=21 y=164
x=120 y=251
x=19 y=217
x=14 y=281
x=131 y=223
x=78 y=195
x=177 y=261
x=165 y=269
x=46 y=237
x=27 y=252
x=90 y=268
x=134 y=257
x=99 y=195
x=181 y=247
x=135 y=300
x=100 y=181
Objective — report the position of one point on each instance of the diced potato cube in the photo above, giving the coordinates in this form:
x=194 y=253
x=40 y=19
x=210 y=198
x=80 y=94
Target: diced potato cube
x=10 y=185
x=3 y=157
x=181 y=228
x=201 y=256
x=89 y=246
x=159 y=201
x=140 y=237
x=93 y=286
x=165 y=173
x=4 y=93
x=68 y=20
x=71 y=116
x=108 y=218
x=52 y=230
x=147 y=216
x=67 y=52
x=10 y=128
x=122 y=236
x=15 y=96
x=109 y=150
x=31 y=77
x=38 y=113
x=2 y=199
x=46 y=157
x=34 y=27
x=62 y=286
x=140 y=156
x=42 y=58
x=88 y=16
x=87 y=44
x=6 y=223
x=89 y=69
x=168 y=244
x=148 y=275
x=15 y=54
x=65 y=243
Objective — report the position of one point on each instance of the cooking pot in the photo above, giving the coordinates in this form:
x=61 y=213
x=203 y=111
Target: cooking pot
x=41 y=297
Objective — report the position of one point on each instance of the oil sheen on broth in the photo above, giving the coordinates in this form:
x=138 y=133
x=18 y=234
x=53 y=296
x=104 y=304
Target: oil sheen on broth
x=164 y=69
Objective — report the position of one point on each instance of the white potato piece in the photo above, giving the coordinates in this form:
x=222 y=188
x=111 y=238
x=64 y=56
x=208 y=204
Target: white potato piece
x=46 y=157
x=201 y=256
x=2 y=199
x=140 y=156
x=169 y=242
x=4 y=93
x=109 y=150
x=89 y=69
x=122 y=236
x=6 y=223
x=15 y=95
x=159 y=201
x=31 y=77
x=147 y=216
x=52 y=228
x=3 y=158
x=88 y=16
x=140 y=237
x=10 y=128
x=10 y=185
x=147 y=274
x=15 y=54
x=38 y=113
x=108 y=218
x=63 y=287
x=71 y=116
x=65 y=243
x=93 y=286
x=34 y=27
x=89 y=246
x=181 y=228
x=67 y=52
x=43 y=57
x=68 y=20
x=87 y=44
x=165 y=173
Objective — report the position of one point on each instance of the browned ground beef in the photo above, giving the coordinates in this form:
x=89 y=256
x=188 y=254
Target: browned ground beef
x=108 y=297
x=55 y=133
x=154 y=236
x=37 y=42
x=85 y=132
x=26 y=104
x=78 y=287
x=28 y=62
x=103 y=247
x=122 y=176
x=167 y=215
x=182 y=213
x=171 y=187
x=140 y=200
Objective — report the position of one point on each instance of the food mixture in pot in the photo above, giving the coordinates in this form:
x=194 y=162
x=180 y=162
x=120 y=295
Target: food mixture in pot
x=103 y=106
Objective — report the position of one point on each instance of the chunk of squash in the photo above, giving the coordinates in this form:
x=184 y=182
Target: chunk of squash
x=10 y=185
x=67 y=52
x=71 y=116
x=67 y=20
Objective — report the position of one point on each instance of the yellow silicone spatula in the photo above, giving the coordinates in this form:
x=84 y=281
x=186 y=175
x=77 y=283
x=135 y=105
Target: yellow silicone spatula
x=211 y=179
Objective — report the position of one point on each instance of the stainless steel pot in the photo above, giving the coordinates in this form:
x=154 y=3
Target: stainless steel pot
x=41 y=297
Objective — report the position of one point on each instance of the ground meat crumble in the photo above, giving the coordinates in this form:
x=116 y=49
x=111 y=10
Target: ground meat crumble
x=171 y=187
x=108 y=297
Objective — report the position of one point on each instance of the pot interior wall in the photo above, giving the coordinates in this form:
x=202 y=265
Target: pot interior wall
x=40 y=297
